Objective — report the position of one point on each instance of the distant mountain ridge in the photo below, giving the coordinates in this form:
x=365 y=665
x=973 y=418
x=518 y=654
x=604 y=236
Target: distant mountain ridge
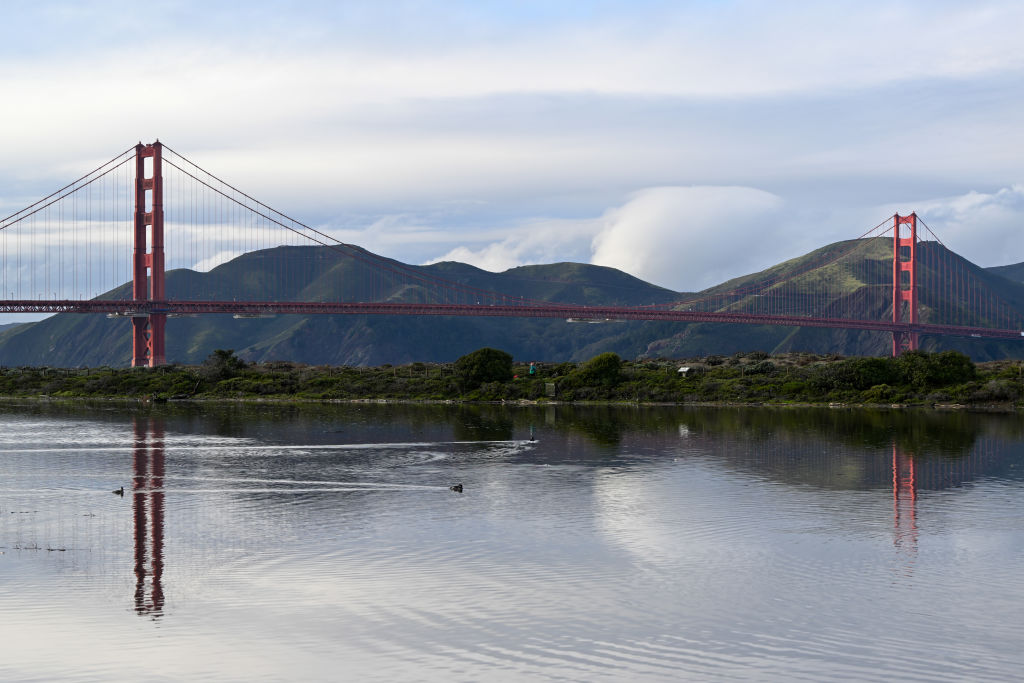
x=1013 y=272
x=322 y=274
x=698 y=339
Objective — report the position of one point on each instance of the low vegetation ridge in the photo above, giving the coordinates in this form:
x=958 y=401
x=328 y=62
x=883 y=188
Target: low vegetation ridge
x=915 y=378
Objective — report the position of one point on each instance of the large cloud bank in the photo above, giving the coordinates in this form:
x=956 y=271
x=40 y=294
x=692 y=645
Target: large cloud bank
x=689 y=237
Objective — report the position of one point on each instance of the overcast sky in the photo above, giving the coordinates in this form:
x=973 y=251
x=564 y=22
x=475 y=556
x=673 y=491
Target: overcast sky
x=684 y=142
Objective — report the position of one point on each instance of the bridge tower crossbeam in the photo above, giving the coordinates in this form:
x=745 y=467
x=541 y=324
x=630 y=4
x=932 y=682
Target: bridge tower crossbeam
x=148 y=332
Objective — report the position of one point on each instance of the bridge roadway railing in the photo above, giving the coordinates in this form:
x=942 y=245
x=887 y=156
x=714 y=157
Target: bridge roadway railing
x=130 y=308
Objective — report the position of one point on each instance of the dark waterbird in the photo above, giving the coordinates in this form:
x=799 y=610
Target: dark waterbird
x=119 y=492
x=457 y=488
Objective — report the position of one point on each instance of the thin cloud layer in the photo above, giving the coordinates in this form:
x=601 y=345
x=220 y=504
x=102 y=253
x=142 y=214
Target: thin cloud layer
x=644 y=135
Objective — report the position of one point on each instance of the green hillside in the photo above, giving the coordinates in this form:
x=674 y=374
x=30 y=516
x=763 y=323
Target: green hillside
x=863 y=284
x=1013 y=272
x=324 y=274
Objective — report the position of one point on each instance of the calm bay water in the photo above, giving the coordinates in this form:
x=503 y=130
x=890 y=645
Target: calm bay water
x=323 y=543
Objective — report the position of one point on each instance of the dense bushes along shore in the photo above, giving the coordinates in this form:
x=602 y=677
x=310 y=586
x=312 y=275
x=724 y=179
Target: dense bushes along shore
x=490 y=375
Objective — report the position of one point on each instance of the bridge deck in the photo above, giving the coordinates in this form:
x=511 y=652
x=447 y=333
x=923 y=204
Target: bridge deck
x=130 y=308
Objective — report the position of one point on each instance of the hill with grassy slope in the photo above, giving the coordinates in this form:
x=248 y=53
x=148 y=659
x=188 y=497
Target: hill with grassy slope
x=323 y=274
x=1014 y=272
x=864 y=279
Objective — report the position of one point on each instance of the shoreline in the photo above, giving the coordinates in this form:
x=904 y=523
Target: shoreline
x=519 y=403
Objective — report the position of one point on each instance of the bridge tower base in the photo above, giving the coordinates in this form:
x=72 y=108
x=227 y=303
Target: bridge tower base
x=148 y=257
x=904 y=282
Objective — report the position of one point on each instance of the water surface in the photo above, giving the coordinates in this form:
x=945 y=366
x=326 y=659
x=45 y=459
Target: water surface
x=323 y=543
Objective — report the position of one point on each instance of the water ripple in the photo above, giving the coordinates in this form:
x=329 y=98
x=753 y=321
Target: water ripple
x=670 y=555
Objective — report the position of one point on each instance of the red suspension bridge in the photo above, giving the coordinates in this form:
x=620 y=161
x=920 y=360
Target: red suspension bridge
x=149 y=210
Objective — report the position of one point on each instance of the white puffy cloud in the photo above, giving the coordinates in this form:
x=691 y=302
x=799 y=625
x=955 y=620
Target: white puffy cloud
x=689 y=238
x=208 y=263
x=683 y=238
x=539 y=241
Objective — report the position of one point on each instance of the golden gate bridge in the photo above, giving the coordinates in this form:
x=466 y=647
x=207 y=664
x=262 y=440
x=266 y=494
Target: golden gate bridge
x=73 y=250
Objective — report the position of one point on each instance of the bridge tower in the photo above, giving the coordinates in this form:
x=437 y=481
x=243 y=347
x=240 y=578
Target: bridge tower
x=904 y=281
x=148 y=257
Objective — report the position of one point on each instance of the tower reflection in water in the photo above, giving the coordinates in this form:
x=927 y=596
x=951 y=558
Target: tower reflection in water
x=148 y=512
x=904 y=499
x=913 y=473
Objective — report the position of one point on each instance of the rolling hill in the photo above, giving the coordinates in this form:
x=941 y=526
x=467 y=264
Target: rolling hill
x=322 y=274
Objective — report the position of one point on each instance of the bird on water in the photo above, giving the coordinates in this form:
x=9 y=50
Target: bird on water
x=457 y=488
x=119 y=492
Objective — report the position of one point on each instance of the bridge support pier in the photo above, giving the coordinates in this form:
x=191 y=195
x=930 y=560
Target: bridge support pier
x=148 y=257
x=904 y=282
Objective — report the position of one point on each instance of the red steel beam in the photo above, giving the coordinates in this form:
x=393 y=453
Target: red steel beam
x=131 y=308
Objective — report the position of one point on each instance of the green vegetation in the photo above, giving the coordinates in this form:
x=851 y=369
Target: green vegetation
x=916 y=378
x=325 y=274
x=483 y=365
x=604 y=370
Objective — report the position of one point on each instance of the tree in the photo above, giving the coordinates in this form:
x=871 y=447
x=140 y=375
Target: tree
x=483 y=365
x=221 y=364
x=922 y=369
x=602 y=370
x=870 y=372
x=952 y=367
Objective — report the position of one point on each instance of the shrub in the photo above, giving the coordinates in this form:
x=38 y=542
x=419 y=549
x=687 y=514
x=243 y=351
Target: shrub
x=792 y=388
x=602 y=370
x=763 y=368
x=856 y=374
x=871 y=372
x=996 y=390
x=483 y=365
x=923 y=369
x=221 y=364
x=880 y=393
x=951 y=367
x=563 y=369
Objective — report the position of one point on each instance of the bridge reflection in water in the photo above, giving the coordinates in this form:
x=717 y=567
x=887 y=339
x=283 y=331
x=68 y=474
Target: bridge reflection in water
x=913 y=473
x=148 y=512
x=904 y=499
x=914 y=455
